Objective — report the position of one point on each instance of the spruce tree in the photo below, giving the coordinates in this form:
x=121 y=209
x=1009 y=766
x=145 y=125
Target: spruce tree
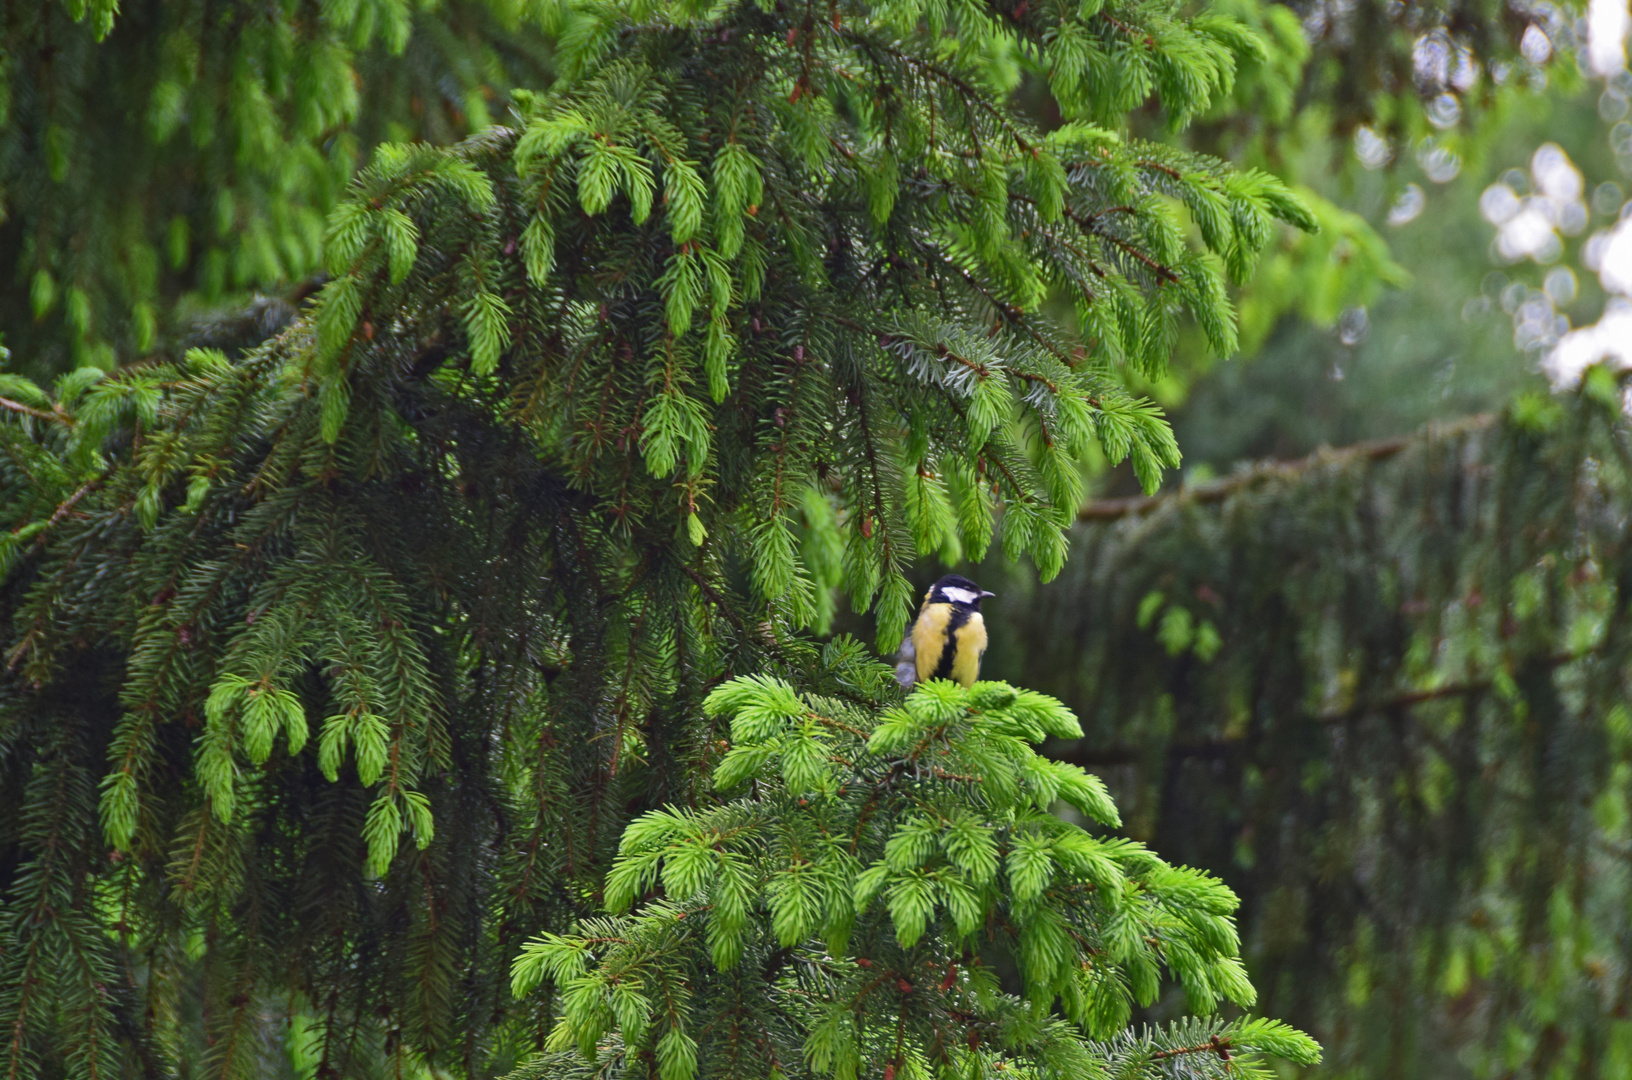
x=161 y=156
x=160 y=159
x=1383 y=693
x=466 y=619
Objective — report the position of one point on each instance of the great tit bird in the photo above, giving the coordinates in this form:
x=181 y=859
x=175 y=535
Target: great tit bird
x=948 y=638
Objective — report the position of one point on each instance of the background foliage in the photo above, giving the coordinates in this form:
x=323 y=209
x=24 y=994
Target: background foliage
x=1385 y=688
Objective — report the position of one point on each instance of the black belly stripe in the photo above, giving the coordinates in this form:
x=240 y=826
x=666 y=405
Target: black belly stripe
x=949 y=647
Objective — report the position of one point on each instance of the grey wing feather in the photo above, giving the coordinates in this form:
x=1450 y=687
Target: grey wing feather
x=906 y=663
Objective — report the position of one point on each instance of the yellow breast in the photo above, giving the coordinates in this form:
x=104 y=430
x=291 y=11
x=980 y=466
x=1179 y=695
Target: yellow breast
x=971 y=647
x=933 y=634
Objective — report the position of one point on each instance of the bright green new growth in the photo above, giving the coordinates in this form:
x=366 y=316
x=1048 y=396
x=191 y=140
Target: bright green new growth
x=842 y=256
x=840 y=914
x=160 y=154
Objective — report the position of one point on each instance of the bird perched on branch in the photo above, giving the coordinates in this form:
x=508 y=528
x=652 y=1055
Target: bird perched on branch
x=948 y=638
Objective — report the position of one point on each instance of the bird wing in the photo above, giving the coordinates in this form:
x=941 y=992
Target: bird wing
x=906 y=662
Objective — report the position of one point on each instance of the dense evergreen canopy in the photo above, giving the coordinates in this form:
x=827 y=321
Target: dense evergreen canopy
x=159 y=155
x=458 y=631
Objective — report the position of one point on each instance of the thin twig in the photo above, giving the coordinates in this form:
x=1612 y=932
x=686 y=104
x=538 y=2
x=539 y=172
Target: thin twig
x=29 y=410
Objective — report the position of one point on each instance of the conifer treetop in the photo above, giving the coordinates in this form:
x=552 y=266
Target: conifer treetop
x=858 y=885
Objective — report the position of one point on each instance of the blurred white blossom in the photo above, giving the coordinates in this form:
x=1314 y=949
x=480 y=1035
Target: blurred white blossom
x=1615 y=259
x=1444 y=111
x=1439 y=163
x=1560 y=285
x=1535 y=46
x=1607 y=24
x=1528 y=224
x=1408 y=206
x=1609 y=340
x=1353 y=326
x=1371 y=148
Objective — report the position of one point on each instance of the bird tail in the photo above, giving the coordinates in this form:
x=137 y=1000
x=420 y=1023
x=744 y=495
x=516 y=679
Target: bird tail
x=906 y=663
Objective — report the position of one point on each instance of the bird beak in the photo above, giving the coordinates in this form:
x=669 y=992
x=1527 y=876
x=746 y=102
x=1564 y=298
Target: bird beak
x=987 y=595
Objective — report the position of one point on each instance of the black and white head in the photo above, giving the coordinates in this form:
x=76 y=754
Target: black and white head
x=958 y=591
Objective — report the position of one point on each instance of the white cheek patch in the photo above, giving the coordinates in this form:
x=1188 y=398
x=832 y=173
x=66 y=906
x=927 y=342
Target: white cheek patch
x=960 y=596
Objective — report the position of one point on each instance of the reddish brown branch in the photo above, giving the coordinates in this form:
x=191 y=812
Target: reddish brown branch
x=28 y=410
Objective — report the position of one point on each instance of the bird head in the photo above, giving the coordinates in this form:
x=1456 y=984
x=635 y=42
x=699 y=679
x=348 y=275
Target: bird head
x=960 y=591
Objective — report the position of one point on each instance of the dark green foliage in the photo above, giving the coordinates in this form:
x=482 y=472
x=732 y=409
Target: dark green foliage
x=1384 y=695
x=158 y=152
x=338 y=668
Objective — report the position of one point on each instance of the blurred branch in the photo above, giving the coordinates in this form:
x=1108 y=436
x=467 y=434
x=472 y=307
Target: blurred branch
x=1129 y=755
x=1214 y=491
